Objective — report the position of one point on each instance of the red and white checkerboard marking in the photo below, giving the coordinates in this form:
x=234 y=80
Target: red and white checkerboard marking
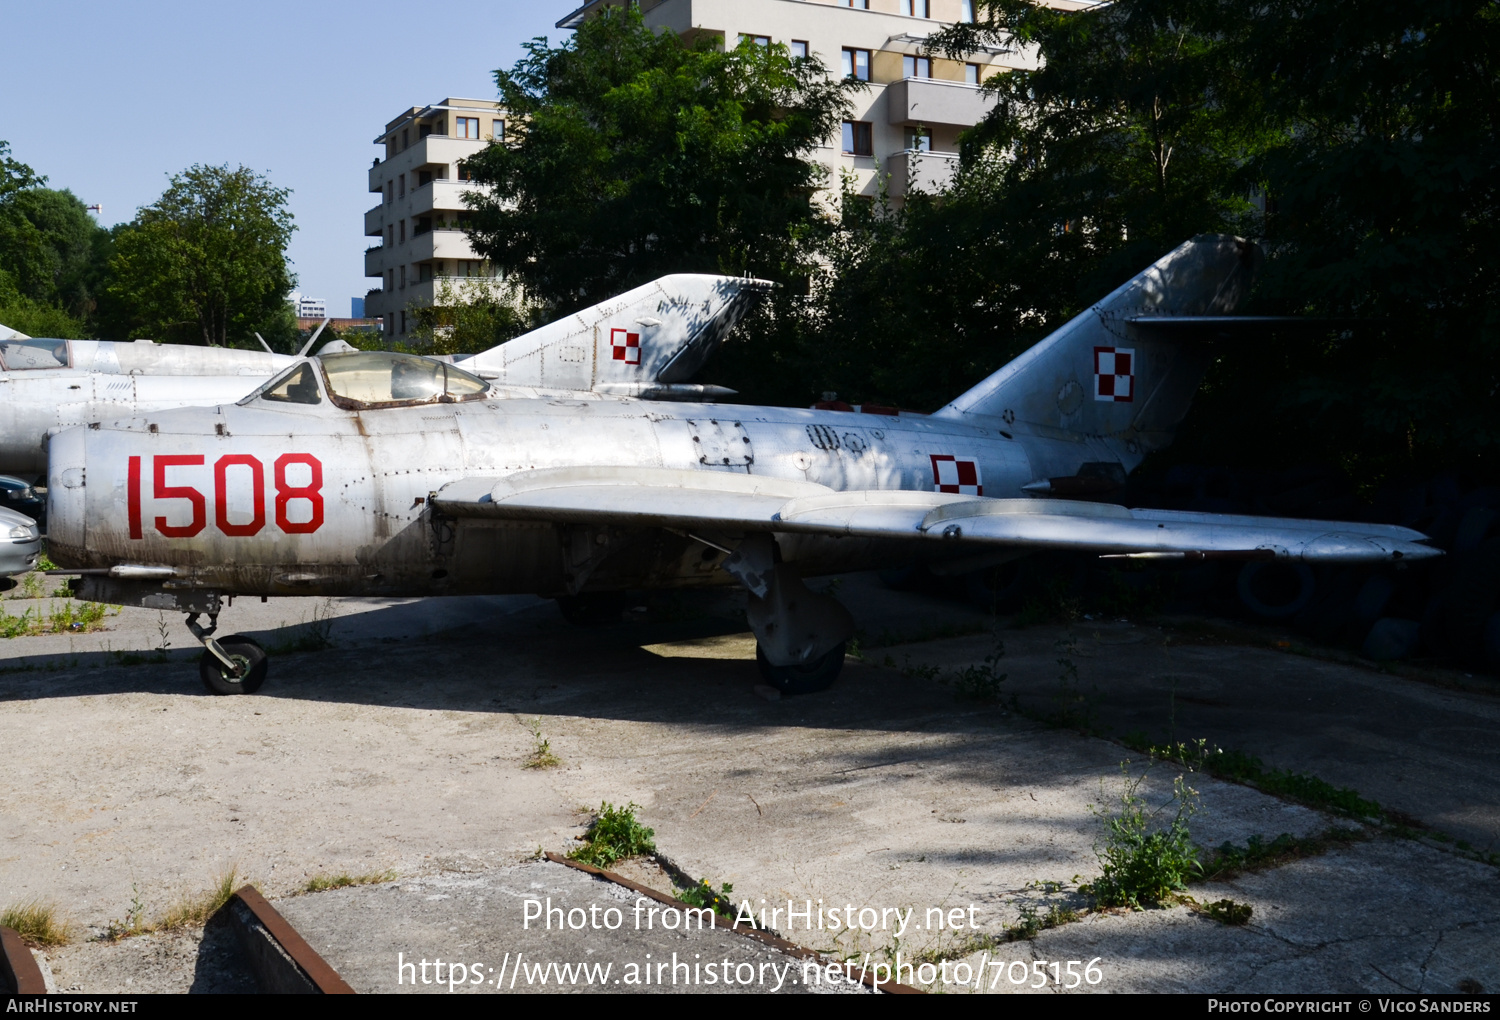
x=627 y=346
x=1114 y=374
x=954 y=474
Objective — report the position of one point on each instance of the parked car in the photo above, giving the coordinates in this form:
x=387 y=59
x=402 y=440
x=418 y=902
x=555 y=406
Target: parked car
x=20 y=543
x=21 y=496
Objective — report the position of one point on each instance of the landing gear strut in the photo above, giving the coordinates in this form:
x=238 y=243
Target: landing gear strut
x=232 y=665
x=800 y=635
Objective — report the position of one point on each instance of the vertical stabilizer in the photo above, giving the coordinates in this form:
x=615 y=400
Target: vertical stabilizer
x=1101 y=375
x=639 y=343
x=6 y=333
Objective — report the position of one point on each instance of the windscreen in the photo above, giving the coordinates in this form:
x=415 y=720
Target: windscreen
x=297 y=385
x=360 y=379
x=17 y=355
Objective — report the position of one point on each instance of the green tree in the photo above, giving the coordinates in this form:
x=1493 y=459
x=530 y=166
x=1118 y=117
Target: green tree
x=47 y=244
x=205 y=263
x=476 y=314
x=631 y=155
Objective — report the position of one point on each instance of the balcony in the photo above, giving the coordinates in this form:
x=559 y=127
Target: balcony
x=442 y=243
x=434 y=150
x=375 y=222
x=915 y=170
x=934 y=102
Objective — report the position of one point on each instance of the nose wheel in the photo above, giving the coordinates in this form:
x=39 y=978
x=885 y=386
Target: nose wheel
x=231 y=665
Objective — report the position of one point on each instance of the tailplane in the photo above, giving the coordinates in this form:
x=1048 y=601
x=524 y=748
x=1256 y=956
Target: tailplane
x=1107 y=373
x=646 y=343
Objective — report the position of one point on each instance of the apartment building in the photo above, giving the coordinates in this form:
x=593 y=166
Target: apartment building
x=904 y=128
x=418 y=218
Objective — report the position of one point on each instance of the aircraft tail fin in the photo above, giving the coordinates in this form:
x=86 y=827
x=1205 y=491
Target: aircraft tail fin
x=1106 y=373
x=636 y=344
x=6 y=333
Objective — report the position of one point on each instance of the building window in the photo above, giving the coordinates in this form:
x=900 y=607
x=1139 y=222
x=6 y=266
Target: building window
x=390 y=238
x=800 y=49
x=390 y=280
x=424 y=272
x=401 y=186
x=499 y=130
x=403 y=322
x=919 y=139
x=857 y=64
x=971 y=74
x=404 y=141
x=403 y=287
x=466 y=127
x=915 y=8
x=403 y=231
x=763 y=41
x=965 y=10
x=861 y=5
x=859 y=138
x=390 y=192
x=916 y=67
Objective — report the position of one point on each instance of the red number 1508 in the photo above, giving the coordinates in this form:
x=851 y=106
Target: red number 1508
x=286 y=494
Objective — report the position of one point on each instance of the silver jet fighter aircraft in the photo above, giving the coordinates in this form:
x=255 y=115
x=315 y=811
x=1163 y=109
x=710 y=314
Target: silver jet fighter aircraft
x=643 y=343
x=387 y=474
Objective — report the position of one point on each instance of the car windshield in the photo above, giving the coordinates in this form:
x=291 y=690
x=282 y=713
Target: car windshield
x=362 y=379
x=23 y=354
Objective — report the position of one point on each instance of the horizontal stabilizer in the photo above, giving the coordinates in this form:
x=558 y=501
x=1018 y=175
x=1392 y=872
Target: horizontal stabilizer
x=687 y=499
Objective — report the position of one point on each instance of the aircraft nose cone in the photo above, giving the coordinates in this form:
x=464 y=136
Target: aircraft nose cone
x=67 y=478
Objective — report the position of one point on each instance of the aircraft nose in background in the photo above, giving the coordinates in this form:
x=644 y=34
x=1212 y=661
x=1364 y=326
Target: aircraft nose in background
x=66 y=481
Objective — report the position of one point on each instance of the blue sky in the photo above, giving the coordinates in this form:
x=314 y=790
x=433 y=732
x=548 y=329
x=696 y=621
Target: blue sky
x=108 y=99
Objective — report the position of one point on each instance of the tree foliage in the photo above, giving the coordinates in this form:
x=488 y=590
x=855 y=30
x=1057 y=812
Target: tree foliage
x=631 y=155
x=205 y=263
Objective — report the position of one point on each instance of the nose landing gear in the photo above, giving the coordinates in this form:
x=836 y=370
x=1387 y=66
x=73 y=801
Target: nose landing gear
x=232 y=665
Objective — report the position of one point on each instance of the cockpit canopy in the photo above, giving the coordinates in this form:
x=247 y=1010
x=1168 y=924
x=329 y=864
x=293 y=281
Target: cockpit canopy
x=17 y=355
x=363 y=380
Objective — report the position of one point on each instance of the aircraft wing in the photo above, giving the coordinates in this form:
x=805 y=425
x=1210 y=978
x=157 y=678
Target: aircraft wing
x=700 y=500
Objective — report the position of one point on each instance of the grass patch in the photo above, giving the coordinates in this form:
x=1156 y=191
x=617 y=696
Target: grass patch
x=69 y=618
x=1258 y=854
x=194 y=909
x=982 y=682
x=38 y=924
x=614 y=834
x=1248 y=770
x=541 y=756
x=343 y=880
x=190 y=911
x=1229 y=912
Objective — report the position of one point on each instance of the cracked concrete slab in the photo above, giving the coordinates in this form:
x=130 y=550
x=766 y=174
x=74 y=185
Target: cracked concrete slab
x=885 y=792
x=483 y=923
x=1382 y=916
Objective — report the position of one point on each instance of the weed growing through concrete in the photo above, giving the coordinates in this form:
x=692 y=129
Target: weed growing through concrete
x=1148 y=854
x=315 y=635
x=982 y=682
x=70 y=617
x=541 y=756
x=1074 y=708
x=705 y=895
x=133 y=923
x=1260 y=854
x=189 y=911
x=613 y=835
x=38 y=924
x=1053 y=605
x=343 y=880
x=1229 y=912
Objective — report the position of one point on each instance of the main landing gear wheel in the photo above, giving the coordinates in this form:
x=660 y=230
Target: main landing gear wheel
x=247 y=655
x=807 y=678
